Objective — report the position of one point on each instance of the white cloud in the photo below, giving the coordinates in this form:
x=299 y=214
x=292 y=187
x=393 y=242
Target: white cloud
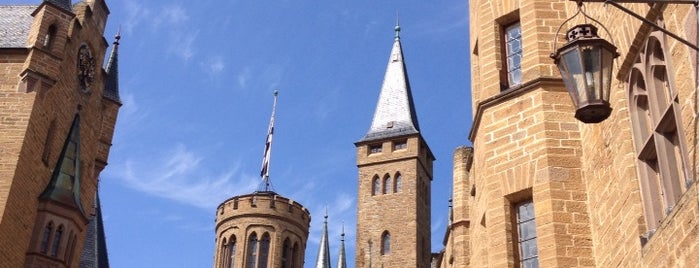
x=182 y=44
x=180 y=176
x=214 y=65
x=243 y=77
x=175 y=14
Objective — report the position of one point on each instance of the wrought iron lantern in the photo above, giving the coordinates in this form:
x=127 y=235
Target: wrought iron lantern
x=586 y=62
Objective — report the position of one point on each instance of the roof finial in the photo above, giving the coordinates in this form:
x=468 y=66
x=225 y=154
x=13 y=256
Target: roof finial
x=397 y=28
x=117 y=37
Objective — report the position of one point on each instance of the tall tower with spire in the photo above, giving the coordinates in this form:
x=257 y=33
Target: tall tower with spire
x=261 y=229
x=59 y=112
x=395 y=173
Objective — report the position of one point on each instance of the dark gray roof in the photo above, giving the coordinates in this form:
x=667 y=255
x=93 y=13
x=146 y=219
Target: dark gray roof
x=111 y=83
x=64 y=4
x=15 y=22
x=94 y=253
x=395 y=112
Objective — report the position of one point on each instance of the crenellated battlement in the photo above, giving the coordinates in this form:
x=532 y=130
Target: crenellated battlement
x=264 y=204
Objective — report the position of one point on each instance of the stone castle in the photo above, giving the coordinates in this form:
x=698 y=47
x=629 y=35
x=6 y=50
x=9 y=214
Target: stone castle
x=537 y=188
x=58 y=108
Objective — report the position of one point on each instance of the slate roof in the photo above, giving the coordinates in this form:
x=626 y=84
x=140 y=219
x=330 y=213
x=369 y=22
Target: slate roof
x=15 y=22
x=395 y=112
x=111 y=83
x=64 y=4
x=94 y=253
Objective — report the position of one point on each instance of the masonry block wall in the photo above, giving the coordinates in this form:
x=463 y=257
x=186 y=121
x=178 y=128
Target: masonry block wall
x=410 y=206
x=583 y=179
x=239 y=217
x=527 y=144
x=39 y=97
x=457 y=241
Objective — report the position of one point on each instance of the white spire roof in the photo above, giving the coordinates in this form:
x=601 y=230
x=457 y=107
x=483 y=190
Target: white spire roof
x=395 y=111
x=323 y=260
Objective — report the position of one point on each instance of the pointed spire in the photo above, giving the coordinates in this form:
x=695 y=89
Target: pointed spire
x=63 y=4
x=323 y=260
x=395 y=111
x=264 y=172
x=94 y=253
x=111 y=83
x=64 y=186
x=341 y=258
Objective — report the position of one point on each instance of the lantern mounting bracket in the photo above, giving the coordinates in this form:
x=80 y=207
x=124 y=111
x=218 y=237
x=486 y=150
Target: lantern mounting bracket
x=616 y=3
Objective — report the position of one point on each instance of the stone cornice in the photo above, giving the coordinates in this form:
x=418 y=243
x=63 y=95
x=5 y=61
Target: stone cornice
x=556 y=83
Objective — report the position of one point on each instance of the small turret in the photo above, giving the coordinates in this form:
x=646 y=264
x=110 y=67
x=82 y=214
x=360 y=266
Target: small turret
x=111 y=83
x=323 y=260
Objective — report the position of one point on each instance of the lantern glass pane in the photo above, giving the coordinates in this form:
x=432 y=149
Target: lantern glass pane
x=571 y=59
x=592 y=66
x=607 y=65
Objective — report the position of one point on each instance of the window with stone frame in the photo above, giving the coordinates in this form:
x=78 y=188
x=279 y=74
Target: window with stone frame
x=398 y=184
x=375 y=185
x=657 y=131
x=44 y=247
x=252 y=251
x=231 y=252
x=524 y=235
x=512 y=48
x=286 y=254
x=57 y=241
x=385 y=243
x=264 y=251
x=387 y=184
x=400 y=145
x=375 y=148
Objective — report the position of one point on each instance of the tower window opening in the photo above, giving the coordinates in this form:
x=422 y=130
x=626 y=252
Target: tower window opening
x=50 y=36
x=45 y=238
x=400 y=145
x=375 y=148
x=375 y=185
x=525 y=234
x=57 y=241
x=387 y=184
x=385 y=243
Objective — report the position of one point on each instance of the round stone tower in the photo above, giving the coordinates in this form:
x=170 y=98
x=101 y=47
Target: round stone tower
x=262 y=229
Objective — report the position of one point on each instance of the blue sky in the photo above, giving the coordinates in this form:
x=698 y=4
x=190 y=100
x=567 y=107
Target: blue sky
x=196 y=81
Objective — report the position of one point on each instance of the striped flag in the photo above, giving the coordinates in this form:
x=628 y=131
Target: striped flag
x=264 y=171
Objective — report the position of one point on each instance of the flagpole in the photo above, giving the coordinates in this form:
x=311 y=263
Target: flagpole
x=264 y=172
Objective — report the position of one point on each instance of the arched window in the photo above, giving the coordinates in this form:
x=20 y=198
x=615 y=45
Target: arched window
x=398 y=185
x=71 y=249
x=56 y=241
x=50 y=36
x=295 y=257
x=45 y=238
x=385 y=243
x=375 y=185
x=286 y=253
x=231 y=252
x=224 y=251
x=252 y=251
x=655 y=111
x=386 y=184
x=264 y=251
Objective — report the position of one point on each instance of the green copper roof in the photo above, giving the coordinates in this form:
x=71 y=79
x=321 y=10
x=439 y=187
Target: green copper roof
x=64 y=186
